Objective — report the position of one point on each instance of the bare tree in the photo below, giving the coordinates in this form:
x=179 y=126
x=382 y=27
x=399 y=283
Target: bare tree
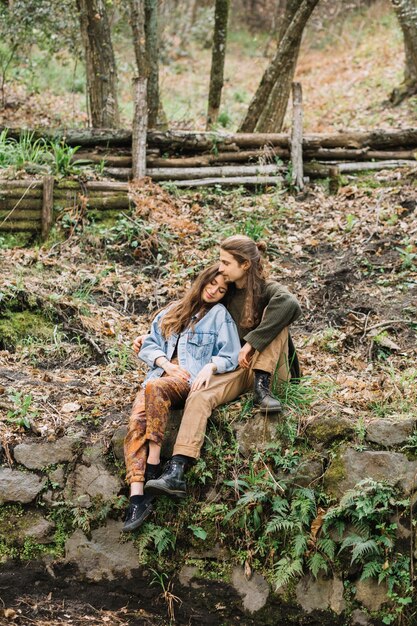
x=140 y=116
x=221 y=15
x=100 y=64
x=406 y=11
x=152 y=55
x=281 y=65
x=272 y=116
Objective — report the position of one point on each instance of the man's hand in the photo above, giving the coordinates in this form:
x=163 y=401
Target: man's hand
x=172 y=369
x=137 y=343
x=203 y=377
x=245 y=356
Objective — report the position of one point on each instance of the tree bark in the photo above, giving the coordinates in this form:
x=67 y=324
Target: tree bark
x=140 y=116
x=152 y=55
x=100 y=64
x=218 y=56
x=273 y=114
x=406 y=11
x=278 y=65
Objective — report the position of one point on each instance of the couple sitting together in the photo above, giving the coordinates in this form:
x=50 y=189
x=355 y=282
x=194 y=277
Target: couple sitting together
x=227 y=334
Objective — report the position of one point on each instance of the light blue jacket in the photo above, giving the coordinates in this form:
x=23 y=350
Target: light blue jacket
x=214 y=340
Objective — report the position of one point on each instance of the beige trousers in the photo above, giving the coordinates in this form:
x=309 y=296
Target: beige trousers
x=225 y=388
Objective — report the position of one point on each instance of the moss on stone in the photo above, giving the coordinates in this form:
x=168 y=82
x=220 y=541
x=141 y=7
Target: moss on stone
x=335 y=474
x=328 y=429
x=15 y=326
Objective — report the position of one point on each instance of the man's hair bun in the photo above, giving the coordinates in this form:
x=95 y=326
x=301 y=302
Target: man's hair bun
x=261 y=245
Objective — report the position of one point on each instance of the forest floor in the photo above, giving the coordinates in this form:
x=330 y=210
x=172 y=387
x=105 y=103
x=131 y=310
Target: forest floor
x=71 y=307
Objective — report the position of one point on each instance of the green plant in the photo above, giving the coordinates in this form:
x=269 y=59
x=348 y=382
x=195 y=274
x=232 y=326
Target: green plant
x=23 y=411
x=160 y=538
x=63 y=163
x=364 y=522
x=408 y=256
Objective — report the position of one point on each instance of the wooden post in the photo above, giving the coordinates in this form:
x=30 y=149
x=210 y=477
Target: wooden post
x=140 y=124
x=47 y=206
x=334 y=180
x=297 y=136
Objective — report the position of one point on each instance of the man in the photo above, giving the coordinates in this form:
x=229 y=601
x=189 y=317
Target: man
x=263 y=311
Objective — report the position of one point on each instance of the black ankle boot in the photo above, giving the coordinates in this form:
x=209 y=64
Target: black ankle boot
x=171 y=482
x=262 y=397
x=137 y=512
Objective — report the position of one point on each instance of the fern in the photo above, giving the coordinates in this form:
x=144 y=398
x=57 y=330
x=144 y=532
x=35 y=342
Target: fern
x=363 y=549
x=285 y=570
x=163 y=538
x=317 y=563
x=327 y=546
x=372 y=569
x=299 y=545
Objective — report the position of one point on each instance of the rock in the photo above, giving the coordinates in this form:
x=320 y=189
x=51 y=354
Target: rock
x=370 y=594
x=351 y=466
x=39 y=529
x=255 y=433
x=304 y=474
x=17 y=486
x=39 y=455
x=92 y=481
x=92 y=454
x=103 y=556
x=320 y=594
x=324 y=430
x=254 y=592
x=117 y=442
x=359 y=618
x=57 y=477
x=389 y=433
x=186 y=575
x=217 y=552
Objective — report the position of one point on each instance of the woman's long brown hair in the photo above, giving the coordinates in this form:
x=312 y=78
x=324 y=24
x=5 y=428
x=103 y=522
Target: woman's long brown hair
x=180 y=314
x=243 y=248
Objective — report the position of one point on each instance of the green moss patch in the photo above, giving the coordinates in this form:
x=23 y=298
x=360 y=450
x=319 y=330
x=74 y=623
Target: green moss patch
x=16 y=327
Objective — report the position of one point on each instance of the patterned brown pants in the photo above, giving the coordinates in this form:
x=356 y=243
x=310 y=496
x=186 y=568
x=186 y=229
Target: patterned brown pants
x=148 y=421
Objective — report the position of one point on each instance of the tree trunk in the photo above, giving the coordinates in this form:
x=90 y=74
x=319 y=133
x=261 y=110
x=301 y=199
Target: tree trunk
x=152 y=55
x=278 y=65
x=406 y=11
x=217 y=60
x=100 y=64
x=272 y=116
x=140 y=116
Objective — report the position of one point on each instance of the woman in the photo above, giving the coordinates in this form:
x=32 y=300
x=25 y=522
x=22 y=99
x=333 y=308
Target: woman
x=191 y=340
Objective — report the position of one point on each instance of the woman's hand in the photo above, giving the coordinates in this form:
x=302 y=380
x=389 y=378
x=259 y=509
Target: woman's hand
x=203 y=377
x=245 y=356
x=137 y=343
x=172 y=369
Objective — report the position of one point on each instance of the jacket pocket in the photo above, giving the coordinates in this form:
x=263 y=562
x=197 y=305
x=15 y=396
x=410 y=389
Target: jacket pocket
x=200 y=345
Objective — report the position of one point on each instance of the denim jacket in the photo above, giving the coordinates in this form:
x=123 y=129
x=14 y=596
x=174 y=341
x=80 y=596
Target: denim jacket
x=214 y=340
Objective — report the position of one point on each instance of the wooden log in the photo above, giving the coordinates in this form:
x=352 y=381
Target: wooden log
x=235 y=180
x=116 y=201
x=47 y=206
x=16 y=194
x=180 y=173
x=297 y=136
x=111 y=160
x=20 y=215
x=94 y=185
x=21 y=204
x=373 y=165
x=23 y=226
x=220 y=141
x=222 y=157
x=341 y=154
x=24 y=185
